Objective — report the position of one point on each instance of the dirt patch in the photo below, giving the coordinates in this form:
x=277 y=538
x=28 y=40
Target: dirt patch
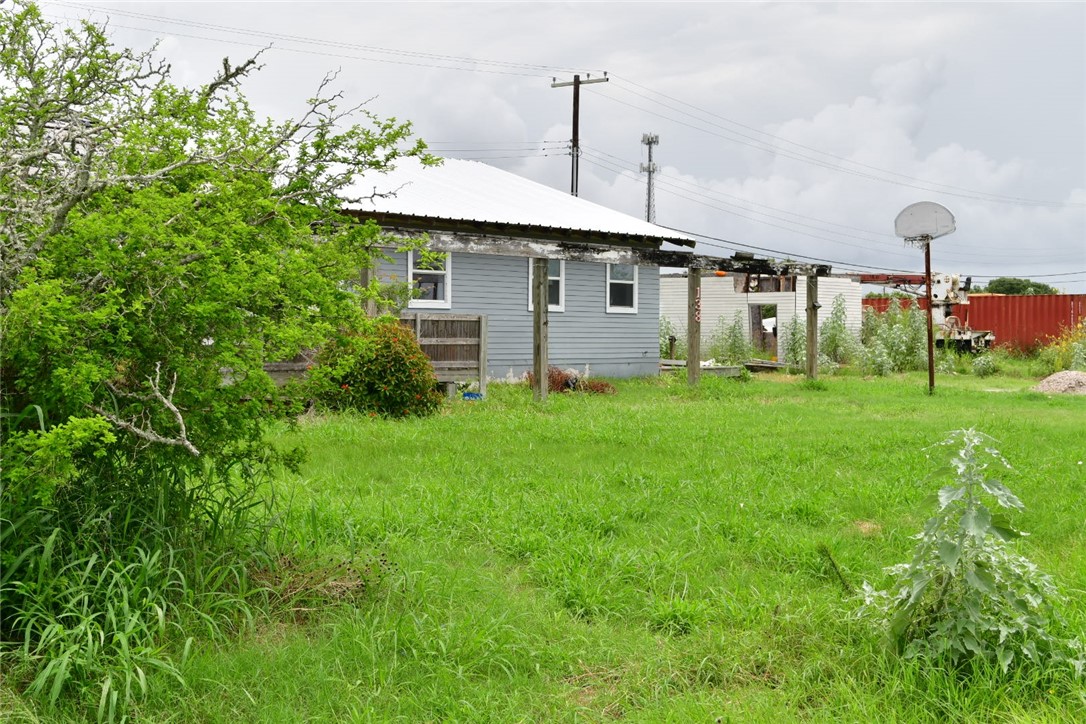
x=867 y=528
x=1068 y=382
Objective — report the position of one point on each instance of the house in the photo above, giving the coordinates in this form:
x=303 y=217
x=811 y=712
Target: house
x=767 y=304
x=603 y=281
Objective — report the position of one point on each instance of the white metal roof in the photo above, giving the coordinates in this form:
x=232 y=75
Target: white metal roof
x=473 y=191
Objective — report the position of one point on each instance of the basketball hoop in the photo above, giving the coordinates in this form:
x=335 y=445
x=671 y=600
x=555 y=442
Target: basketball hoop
x=923 y=221
x=918 y=224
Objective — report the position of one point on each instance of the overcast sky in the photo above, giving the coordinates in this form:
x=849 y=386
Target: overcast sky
x=799 y=128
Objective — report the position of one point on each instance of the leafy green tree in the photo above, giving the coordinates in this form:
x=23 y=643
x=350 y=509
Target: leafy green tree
x=156 y=238
x=1013 y=285
x=158 y=245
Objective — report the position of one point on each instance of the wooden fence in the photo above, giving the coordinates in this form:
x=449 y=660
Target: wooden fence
x=455 y=344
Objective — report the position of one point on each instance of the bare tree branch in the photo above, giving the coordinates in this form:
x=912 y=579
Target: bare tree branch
x=146 y=432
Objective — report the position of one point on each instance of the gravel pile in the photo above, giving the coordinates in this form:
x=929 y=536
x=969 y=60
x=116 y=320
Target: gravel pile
x=1069 y=382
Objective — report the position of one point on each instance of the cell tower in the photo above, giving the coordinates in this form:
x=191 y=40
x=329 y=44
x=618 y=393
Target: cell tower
x=650 y=140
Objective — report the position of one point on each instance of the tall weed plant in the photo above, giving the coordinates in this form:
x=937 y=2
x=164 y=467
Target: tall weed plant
x=730 y=343
x=669 y=329
x=895 y=340
x=795 y=342
x=1066 y=351
x=837 y=342
x=968 y=596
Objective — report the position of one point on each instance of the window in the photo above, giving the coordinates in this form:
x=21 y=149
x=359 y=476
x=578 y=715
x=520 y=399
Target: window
x=622 y=288
x=556 y=285
x=748 y=283
x=432 y=280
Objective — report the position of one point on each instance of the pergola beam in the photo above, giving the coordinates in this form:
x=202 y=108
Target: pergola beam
x=739 y=263
x=541 y=250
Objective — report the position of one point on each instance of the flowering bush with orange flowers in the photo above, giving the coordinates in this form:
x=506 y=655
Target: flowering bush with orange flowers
x=378 y=368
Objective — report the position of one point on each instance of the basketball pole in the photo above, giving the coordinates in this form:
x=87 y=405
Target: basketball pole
x=931 y=341
x=918 y=224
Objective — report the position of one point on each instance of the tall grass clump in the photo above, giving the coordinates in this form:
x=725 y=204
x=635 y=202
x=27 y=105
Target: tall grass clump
x=968 y=597
x=94 y=597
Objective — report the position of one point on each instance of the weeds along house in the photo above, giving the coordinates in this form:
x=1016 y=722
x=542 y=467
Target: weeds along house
x=764 y=302
x=603 y=266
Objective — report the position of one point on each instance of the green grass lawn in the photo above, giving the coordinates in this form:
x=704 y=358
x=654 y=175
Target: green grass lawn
x=648 y=556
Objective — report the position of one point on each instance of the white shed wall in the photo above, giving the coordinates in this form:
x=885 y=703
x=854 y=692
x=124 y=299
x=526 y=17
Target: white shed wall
x=720 y=302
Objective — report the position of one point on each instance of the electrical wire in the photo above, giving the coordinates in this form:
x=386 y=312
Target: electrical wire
x=674 y=181
x=768 y=145
x=763 y=146
x=732 y=245
x=435 y=57
x=900 y=254
x=494 y=158
x=682 y=189
x=665 y=188
x=533 y=144
x=437 y=60
x=515 y=68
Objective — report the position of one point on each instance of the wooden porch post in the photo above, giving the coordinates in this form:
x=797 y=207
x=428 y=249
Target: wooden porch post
x=365 y=276
x=482 y=354
x=693 y=326
x=540 y=301
x=812 y=327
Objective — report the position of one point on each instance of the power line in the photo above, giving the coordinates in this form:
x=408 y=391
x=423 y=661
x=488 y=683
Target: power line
x=683 y=183
x=786 y=254
x=498 y=143
x=833 y=240
x=443 y=61
x=769 y=148
x=687 y=188
x=1035 y=276
x=323 y=53
x=494 y=158
x=731 y=244
x=766 y=145
x=322 y=41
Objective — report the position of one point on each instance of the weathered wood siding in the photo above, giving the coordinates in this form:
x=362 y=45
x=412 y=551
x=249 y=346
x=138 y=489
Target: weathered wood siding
x=613 y=345
x=720 y=302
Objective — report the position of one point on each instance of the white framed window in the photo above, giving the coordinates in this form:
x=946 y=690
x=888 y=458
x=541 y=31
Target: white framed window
x=556 y=285
x=621 y=289
x=432 y=280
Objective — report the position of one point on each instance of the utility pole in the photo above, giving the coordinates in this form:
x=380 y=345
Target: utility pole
x=650 y=140
x=575 y=149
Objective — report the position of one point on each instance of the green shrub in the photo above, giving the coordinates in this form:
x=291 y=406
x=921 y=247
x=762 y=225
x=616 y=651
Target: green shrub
x=985 y=365
x=377 y=369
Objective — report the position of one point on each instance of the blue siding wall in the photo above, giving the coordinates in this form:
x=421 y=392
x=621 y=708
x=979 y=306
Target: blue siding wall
x=613 y=345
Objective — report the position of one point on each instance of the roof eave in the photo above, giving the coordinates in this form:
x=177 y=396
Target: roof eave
x=527 y=231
